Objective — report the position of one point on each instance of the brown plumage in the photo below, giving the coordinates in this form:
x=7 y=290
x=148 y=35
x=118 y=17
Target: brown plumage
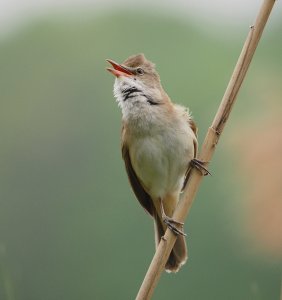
x=158 y=143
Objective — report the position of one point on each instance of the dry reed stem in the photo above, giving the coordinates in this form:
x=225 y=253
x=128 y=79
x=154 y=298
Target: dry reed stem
x=281 y=291
x=166 y=244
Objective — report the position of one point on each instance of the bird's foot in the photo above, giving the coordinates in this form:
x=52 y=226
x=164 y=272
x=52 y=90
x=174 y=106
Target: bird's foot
x=171 y=223
x=199 y=165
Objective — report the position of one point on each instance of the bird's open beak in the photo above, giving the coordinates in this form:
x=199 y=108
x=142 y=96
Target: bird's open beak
x=118 y=70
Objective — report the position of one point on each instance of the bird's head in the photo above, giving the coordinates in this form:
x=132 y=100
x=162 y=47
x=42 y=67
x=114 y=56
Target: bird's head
x=137 y=81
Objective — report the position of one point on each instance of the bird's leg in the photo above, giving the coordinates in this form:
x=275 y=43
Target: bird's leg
x=170 y=222
x=199 y=165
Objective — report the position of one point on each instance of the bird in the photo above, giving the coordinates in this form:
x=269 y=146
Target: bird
x=159 y=147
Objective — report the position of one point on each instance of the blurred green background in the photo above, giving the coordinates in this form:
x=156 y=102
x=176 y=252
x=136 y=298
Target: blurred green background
x=70 y=226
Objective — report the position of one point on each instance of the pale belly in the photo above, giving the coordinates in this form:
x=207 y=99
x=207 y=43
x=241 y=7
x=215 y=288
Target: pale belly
x=160 y=162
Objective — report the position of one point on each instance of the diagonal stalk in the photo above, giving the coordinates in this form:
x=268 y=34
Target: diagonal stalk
x=166 y=244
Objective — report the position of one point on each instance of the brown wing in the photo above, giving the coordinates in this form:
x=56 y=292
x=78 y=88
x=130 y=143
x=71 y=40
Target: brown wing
x=195 y=142
x=142 y=196
x=193 y=126
x=195 y=130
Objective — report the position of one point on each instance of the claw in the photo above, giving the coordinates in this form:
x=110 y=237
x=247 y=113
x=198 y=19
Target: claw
x=172 y=227
x=171 y=223
x=199 y=165
x=167 y=219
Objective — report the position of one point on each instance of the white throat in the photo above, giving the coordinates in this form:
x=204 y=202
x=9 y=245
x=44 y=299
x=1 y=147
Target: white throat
x=138 y=103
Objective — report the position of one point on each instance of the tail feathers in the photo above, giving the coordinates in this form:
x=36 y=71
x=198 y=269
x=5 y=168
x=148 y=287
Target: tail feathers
x=178 y=255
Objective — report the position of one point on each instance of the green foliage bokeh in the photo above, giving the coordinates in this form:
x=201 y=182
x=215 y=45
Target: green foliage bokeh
x=70 y=227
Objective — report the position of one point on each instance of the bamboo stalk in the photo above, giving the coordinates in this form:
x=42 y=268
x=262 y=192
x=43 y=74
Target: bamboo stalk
x=212 y=137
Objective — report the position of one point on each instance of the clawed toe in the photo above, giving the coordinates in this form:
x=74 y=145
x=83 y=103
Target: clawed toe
x=199 y=165
x=170 y=222
x=171 y=225
x=167 y=219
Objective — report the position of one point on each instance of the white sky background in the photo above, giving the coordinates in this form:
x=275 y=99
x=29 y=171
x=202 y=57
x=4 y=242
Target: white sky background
x=230 y=13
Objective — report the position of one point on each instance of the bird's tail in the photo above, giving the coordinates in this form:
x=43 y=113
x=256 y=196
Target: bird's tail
x=178 y=255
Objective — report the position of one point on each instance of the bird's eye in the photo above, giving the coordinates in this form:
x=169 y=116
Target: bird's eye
x=139 y=71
